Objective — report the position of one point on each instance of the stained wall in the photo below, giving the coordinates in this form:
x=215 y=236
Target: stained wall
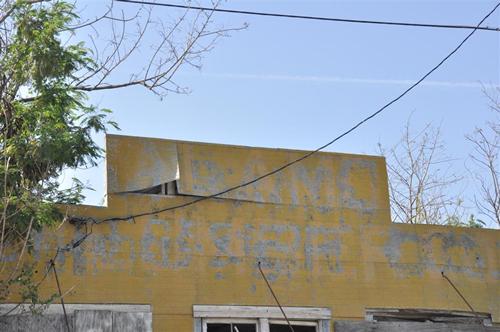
x=321 y=230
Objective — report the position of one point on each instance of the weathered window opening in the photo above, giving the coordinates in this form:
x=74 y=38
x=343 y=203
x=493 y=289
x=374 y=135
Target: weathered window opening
x=418 y=320
x=298 y=326
x=259 y=319
x=256 y=325
x=228 y=325
x=427 y=315
x=169 y=188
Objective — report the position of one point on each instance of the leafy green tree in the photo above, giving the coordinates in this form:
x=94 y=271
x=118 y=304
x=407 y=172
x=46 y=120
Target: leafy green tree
x=472 y=222
x=43 y=135
x=46 y=121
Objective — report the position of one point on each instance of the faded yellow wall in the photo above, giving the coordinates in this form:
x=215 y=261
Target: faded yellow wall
x=321 y=230
x=328 y=180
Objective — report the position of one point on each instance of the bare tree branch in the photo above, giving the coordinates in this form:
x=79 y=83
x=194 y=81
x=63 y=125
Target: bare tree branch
x=485 y=157
x=419 y=179
x=123 y=46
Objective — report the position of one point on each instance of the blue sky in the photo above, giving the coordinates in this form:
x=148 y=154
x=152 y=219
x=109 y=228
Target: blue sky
x=297 y=84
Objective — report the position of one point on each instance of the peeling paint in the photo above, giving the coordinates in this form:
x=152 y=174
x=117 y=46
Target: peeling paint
x=150 y=239
x=321 y=232
x=427 y=261
x=323 y=242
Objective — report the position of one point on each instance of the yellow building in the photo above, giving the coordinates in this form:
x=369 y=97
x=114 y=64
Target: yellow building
x=321 y=230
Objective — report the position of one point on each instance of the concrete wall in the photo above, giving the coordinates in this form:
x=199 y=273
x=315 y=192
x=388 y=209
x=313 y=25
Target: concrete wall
x=321 y=229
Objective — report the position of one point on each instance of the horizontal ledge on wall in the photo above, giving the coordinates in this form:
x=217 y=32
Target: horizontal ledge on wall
x=11 y=309
x=234 y=311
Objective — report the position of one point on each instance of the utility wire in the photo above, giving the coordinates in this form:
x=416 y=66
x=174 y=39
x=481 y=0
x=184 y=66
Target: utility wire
x=309 y=154
x=462 y=297
x=45 y=275
x=315 y=18
x=53 y=265
x=275 y=297
x=458 y=292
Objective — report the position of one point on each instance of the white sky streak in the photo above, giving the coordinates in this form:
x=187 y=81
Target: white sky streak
x=350 y=80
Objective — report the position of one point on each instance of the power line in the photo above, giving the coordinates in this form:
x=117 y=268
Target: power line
x=315 y=18
x=275 y=297
x=53 y=265
x=463 y=298
x=309 y=154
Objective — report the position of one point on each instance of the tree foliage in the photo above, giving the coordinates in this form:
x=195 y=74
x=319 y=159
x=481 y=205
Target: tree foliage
x=41 y=136
x=46 y=121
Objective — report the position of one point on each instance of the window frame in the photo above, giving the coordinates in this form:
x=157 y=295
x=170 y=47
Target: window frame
x=294 y=322
x=262 y=316
x=206 y=321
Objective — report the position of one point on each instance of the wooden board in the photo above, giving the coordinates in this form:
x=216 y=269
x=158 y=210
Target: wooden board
x=132 y=322
x=221 y=311
x=362 y=326
x=93 y=320
x=33 y=323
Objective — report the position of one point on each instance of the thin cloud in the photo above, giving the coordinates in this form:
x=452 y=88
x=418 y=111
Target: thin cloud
x=350 y=80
